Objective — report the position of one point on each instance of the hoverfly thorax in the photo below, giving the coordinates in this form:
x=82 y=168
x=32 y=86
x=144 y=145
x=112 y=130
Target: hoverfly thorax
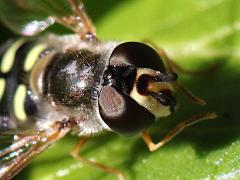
x=73 y=78
x=136 y=89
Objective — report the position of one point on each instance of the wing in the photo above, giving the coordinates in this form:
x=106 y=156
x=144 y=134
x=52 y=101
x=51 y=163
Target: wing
x=19 y=148
x=29 y=17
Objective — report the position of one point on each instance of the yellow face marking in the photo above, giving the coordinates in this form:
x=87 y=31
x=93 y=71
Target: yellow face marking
x=2 y=87
x=9 y=56
x=150 y=103
x=18 y=102
x=33 y=56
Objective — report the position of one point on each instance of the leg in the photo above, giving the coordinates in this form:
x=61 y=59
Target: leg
x=79 y=22
x=75 y=154
x=78 y=10
x=182 y=125
x=189 y=94
x=172 y=67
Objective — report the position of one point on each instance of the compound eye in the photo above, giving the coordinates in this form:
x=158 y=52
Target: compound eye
x=138 y=55
x=121 y=113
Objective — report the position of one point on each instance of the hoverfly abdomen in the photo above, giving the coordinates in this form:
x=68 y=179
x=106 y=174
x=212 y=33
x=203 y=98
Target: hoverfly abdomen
x=16 y=100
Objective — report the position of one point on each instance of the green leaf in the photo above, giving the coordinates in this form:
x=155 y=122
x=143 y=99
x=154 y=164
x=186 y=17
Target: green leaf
x=196 y=34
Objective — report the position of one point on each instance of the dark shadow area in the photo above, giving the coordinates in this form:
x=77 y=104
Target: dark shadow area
x=222 y=92
x=5 y=34
x=97 y=10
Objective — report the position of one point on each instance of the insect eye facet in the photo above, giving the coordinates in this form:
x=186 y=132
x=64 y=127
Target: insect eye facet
x=137 y=54
x=121 y=113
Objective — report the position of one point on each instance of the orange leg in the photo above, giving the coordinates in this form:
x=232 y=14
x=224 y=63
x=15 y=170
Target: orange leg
x=189 y=94
x=179 y=127
x=172 y=67
x=78 y=10
x=75 y=154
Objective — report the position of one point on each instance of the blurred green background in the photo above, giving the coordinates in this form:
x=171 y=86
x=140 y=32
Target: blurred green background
x=196 y=34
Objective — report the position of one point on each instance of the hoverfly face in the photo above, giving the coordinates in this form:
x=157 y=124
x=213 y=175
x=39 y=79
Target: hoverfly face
x=136 y=89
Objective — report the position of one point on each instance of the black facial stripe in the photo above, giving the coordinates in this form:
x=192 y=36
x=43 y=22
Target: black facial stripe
x=121 y=78
x=142 y=84
x=144 y=80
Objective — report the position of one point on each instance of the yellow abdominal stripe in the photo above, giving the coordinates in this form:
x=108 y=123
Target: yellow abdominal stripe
x=18 y=103
x=6 y=65
x=2 y=87
x=9 y=56
x=33 y=55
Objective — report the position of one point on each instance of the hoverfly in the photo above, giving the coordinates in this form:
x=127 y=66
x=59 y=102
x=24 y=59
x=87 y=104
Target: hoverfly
x=51 y=85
